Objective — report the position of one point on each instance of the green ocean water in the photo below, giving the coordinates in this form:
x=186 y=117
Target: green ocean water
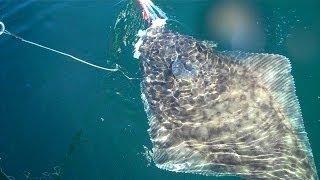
x=63 y=120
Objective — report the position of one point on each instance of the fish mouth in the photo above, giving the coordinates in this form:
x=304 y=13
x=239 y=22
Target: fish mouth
x=150 y=11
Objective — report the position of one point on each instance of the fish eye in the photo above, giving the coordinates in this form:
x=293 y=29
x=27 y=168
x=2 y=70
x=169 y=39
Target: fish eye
x=177 y=67
x=182 y=71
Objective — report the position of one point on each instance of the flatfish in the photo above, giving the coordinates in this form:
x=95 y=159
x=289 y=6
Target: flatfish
x=221 y=113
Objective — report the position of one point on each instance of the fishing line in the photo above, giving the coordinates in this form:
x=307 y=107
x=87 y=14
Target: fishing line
x=118 y=3
x=117 y=68
x=125 y=75
x=2 y=28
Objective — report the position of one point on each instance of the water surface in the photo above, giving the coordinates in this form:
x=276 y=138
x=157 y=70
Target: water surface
x=60 y=116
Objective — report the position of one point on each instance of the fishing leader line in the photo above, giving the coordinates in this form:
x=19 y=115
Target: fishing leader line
x=117 y=68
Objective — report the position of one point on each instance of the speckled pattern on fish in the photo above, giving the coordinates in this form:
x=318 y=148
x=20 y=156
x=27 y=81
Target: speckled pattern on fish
x=235 y=114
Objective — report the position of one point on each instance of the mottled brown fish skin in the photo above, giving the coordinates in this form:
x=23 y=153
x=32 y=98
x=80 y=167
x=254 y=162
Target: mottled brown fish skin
x=222 y=121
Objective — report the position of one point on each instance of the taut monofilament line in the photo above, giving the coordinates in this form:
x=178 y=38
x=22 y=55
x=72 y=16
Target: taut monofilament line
x=4 y=31
x=117 y=68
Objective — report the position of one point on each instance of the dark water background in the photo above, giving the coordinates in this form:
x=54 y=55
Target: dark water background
x=61 y=117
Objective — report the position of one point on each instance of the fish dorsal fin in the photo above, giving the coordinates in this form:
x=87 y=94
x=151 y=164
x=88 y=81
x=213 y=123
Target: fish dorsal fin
x=274 y=71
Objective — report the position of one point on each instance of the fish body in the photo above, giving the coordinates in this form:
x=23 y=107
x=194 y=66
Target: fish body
x=221 y=113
